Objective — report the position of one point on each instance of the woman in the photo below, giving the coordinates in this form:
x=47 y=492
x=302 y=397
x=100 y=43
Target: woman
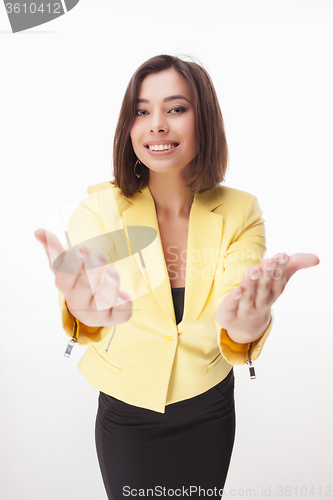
x=188 y=253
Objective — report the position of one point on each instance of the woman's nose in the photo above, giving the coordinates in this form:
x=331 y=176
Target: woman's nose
x=157 y=129
x=157 y=124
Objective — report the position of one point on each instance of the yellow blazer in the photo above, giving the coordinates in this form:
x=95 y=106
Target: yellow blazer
x=152 y=362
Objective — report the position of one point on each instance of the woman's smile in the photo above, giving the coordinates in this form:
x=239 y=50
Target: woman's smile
x=158 y=148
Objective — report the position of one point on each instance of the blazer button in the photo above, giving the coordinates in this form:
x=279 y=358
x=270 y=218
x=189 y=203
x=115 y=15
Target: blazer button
x=169 y=339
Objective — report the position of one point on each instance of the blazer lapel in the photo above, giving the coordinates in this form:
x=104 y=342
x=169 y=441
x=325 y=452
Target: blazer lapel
x=204 y=241
x=150 y=260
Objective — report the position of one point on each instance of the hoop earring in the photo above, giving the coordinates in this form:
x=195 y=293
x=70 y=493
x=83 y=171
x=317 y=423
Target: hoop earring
x=136 y=164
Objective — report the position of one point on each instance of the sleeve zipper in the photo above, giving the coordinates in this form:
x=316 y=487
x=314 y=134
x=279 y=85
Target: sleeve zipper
x=250 y=363
x=73 y=340
x=114 y=331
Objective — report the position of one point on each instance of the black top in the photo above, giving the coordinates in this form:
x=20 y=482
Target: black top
x=178 y=295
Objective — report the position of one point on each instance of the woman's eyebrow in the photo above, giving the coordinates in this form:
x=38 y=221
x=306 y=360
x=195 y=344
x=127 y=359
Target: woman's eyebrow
x=167 y=99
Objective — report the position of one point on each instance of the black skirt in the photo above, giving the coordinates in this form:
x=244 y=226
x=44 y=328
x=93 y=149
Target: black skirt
x=183 y=452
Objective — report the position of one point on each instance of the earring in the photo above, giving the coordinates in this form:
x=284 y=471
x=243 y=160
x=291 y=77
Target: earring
x=136 y=163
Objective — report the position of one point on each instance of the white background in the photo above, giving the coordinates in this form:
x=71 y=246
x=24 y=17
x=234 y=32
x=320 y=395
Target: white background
x=62 y=84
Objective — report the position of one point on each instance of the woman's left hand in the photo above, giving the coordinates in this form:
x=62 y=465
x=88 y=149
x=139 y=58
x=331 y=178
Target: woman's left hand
x=245 y=311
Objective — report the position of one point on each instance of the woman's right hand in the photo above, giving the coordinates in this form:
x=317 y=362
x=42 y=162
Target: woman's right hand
x=93 y=300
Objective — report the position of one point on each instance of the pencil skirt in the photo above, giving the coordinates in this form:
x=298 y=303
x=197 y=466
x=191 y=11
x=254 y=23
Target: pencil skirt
x=183 y=452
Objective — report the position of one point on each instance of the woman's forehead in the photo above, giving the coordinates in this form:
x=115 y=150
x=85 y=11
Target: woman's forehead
x=164 y=84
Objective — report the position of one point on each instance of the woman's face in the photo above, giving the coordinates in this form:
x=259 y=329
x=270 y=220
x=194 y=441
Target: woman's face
x=163 y=131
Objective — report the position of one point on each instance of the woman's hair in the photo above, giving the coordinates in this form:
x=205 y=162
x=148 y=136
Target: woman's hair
x=209 y=166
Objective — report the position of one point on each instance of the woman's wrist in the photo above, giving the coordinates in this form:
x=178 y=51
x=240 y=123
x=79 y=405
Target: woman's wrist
x=246 y=337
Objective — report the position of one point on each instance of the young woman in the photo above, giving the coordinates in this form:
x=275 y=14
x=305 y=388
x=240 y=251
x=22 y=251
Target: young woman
x=163 y=278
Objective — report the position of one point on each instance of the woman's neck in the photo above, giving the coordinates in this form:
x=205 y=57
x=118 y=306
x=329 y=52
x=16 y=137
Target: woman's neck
x=172 y=199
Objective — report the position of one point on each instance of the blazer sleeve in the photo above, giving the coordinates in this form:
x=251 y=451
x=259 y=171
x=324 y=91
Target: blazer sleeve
x=247 y=248
x=86 y=226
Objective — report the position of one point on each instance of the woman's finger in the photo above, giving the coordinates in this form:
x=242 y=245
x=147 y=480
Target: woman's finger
x=79 y=288
x=264 y=286
x=105 y=297
x=279 y=275
x=272 y=281
x=249 y=285
x=301 y=261
x=51 y=244
x=230 y=302
x=70 y=262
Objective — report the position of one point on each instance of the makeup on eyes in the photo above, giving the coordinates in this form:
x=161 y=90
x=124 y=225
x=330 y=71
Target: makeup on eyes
x=182 y=108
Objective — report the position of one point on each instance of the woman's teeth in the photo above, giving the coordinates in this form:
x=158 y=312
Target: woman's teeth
x=162 y=147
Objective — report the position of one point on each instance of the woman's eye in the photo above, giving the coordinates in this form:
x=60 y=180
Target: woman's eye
x=177 y=110
x=141 y=112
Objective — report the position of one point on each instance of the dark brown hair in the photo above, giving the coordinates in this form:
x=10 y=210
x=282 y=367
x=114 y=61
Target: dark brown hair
x=209 y=166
